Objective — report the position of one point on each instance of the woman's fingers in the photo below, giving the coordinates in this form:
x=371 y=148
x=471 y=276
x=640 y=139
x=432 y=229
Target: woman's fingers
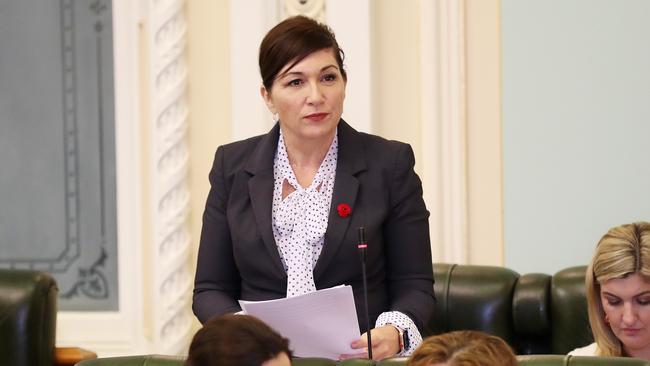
x=384 y=344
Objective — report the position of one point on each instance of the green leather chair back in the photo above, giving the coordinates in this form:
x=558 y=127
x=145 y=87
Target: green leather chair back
x=27 y=318
x=315 y=362
x=535 y=313
x=531 y=313
x=470 y=297
x=569 y=319
x=158 y=360
x=535 y=360
x=144 y=360
x=550 y=312
x=400 y=361
x=559 y=360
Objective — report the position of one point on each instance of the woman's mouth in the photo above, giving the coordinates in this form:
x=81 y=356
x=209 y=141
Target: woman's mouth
x=631 y=331
x=317 y=116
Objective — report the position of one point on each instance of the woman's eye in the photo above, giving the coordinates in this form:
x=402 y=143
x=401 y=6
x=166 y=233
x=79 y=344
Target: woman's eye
x=329 y=77
x=643 y=301
x=613 y=302
x=294 y=82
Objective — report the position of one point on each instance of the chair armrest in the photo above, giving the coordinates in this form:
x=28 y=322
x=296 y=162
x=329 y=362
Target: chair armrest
x=68 y=356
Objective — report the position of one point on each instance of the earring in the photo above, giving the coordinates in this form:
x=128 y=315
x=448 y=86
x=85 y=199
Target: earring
x=276 y=117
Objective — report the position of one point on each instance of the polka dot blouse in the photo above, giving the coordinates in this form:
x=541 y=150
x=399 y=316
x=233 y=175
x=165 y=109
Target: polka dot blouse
x=299 y=225
x=300 y=219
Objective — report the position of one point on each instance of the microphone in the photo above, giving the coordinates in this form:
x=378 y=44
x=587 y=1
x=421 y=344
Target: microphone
x=363 y=246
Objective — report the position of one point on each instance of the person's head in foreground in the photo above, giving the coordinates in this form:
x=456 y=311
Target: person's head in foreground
x=618 y=291
x=303 y=80
x=238 y=340
x=463 y=348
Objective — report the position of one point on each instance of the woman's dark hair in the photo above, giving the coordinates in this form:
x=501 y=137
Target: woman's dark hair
x=235 y=340
x=290 y=41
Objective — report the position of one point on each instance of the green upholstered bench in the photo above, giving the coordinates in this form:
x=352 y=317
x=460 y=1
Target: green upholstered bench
x=558 y=360
x=527 y=360
x=535 y=313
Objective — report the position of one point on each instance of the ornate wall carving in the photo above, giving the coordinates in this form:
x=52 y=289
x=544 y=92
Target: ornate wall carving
x=311 y=8
x=172 y=280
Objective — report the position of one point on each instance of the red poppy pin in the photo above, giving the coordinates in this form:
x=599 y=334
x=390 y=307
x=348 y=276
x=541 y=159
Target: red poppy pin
x=343 y=209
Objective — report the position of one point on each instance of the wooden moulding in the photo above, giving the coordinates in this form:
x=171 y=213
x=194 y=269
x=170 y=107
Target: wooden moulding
x=68 y=356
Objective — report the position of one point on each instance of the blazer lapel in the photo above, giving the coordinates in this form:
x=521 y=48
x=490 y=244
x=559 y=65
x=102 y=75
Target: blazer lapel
x=350 y=161
x=260 y=188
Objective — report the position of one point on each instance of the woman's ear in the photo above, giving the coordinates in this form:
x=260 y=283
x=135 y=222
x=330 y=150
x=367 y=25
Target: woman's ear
x=266 y=95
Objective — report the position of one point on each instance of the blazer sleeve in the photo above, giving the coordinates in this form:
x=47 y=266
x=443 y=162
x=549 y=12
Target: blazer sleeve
x=217 y=281
x=406 y=234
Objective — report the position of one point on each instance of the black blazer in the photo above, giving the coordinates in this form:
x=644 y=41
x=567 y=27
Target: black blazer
x=238 y=257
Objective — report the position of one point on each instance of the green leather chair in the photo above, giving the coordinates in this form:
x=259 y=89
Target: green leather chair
x=559 y=360
x=146 y=360
x=28 y=307
x=159 y=360
x=569 y=321
x=535 y=313
x=473 y=297
x=27 y=318
x=528 y=360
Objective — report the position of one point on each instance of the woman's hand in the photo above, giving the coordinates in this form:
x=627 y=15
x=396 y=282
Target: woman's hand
x=385 y=343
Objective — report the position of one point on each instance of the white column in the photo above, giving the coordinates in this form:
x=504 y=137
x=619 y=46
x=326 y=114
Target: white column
x=169 y=283
x=443 y=109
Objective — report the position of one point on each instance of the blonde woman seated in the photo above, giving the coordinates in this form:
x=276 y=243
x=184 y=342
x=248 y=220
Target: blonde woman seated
x=463 y=348
x=618 y=294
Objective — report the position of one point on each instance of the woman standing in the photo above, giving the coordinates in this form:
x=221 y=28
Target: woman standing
x=282 y=214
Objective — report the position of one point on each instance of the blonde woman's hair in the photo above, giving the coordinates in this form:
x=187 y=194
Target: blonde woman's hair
x=623 y=251
x=463 y=348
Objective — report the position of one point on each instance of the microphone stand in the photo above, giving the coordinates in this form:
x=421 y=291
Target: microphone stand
x=363 y=246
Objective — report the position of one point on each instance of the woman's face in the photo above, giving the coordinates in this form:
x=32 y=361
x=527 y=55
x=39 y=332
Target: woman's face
x=308 y=97
x=626 y=302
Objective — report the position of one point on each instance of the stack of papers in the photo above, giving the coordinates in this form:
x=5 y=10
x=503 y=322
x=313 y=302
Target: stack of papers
x=319 y=324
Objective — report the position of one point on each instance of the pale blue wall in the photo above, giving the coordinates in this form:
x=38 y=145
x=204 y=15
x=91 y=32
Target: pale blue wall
x=576 y=126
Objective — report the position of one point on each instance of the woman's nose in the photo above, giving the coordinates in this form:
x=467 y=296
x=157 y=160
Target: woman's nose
x=315 y=95
x=629 y=314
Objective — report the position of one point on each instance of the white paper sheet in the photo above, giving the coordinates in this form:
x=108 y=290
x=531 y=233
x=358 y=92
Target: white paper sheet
x=318 y=324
